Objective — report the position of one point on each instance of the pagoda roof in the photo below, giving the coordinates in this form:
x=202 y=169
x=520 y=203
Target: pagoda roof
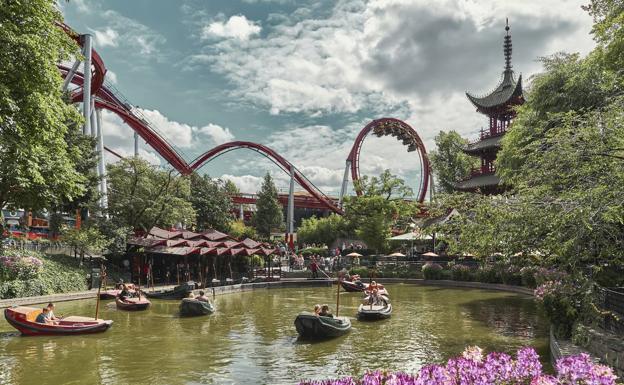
x=483 y=144
x=508 y=92
x=483 y=180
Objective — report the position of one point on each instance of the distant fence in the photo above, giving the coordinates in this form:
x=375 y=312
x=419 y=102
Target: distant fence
x=613 y=301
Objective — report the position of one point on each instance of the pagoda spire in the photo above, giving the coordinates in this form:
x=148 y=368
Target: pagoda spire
x=507 y=48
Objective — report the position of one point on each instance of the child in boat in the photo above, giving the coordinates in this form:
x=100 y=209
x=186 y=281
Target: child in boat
x=42 y=318
x=190 y=295
x=125 y=293
x=325 y=312
x=317 y=309
x=50 y=314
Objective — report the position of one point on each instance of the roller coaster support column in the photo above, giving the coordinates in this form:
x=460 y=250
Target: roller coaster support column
x=86 y=97
x=241 y=212
x=345 y=183
x=291 y=202
x=70 y=74
x=101 y=169
x=136 y=144
x=94 y=122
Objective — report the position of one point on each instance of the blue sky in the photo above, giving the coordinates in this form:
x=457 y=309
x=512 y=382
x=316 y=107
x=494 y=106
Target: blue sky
x=303 y=77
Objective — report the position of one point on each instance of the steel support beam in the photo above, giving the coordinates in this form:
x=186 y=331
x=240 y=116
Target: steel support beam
x=70 y=74
x=345 y=183
x=291 y=202
x=136 y=144
x=101 y=168
x=86 y=96
x=94 y=122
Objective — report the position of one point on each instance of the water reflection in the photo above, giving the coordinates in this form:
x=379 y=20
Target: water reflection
x=251 y=339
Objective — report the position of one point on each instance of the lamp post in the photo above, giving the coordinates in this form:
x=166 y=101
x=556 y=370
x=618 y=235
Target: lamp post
x=412 y=226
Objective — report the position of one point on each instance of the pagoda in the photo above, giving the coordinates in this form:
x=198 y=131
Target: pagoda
x=498 y=106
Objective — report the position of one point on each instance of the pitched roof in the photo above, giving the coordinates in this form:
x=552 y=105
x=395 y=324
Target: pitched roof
x=214 y=235
x=478 y=181
x=161 y=233
x=508 y=92
x=483 y=144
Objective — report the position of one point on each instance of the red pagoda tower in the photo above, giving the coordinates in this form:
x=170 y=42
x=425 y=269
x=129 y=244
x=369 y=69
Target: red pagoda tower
x=498 y=107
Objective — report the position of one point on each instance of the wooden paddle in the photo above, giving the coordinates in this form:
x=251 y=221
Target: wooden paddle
x=97 y=301
x=338 y=297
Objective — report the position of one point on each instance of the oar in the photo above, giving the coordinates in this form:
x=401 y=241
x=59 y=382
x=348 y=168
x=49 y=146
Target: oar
x=97 y=301
x=338 y=297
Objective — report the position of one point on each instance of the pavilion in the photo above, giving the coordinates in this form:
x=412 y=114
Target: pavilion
x=178 y=256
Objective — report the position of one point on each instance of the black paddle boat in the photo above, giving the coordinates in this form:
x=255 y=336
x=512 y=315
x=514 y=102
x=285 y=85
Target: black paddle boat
x=177 y=292
x=190 y=307
x=374 y=312
x=312 y=326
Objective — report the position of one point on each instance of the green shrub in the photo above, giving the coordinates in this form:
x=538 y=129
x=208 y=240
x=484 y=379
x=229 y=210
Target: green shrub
x=310 y=251
x=461 y=273
x=510 y=275
x=488 y=274
x=432 y=271
x=528 y=276
x=58 y=274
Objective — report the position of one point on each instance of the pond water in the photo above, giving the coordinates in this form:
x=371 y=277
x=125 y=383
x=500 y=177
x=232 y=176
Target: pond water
x=251 y=338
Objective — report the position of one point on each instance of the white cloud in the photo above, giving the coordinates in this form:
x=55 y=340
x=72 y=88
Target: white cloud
x=105 y=38
x=216 y=133
x=372 y=56
x=245 y=183
x=237 y=27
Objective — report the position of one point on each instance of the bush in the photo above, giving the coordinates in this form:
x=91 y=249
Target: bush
x=527 y=274
x=510 y=275
x=310 y=251
x=58 y=274
x=432 y=271
x=19 y=264
x=488 y=274
x=461 y=273
x=567 y=302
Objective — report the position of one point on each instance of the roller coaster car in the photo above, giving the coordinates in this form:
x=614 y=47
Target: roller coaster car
x=411 y=147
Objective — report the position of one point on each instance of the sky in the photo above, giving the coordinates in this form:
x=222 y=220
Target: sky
x=304 y=77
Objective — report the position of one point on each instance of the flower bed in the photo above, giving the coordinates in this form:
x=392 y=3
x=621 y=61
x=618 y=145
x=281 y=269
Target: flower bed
x=473 y=368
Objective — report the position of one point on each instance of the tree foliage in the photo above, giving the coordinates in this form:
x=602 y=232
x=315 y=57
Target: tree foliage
x=141 y=196
x=36 y=166
x=268 y=215
x=324 y=230
x=239 y=230
x=212 y=202
x=564 y=157
x=450 y=164
x=381 y=206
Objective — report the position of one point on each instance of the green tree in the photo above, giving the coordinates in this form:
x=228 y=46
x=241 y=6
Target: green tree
x=141 y=196
x=36 y=167
x=86 y=240
x=212 y=202
x=381 y=206
x=324 y=230
x=450 y=164
x=239 y=230
x=268 y=215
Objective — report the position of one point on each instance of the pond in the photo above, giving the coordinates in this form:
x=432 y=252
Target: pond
x=251 y=338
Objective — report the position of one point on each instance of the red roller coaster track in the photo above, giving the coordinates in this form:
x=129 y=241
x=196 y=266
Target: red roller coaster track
x=107 y=99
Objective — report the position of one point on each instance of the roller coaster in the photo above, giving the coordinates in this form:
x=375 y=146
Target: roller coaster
x=102 y=95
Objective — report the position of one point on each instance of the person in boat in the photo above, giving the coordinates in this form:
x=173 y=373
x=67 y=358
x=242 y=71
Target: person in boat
x=314 y=268
x=202 y=297
x=317 y=309
x=125 y=293
x=325 y=312
x=42 y=318
x=190 y=295
x=50 y=314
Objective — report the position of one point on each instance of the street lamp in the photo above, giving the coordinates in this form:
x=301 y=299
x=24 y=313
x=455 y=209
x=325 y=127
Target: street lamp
x=412 y=226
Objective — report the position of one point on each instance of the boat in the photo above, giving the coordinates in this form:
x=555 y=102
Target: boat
x=374 y=312
x=109 y=294
x=23 y=319
x=177 y=292
x=353 y=286
x=190 y=307
x=309 y=325
x=132 y=304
